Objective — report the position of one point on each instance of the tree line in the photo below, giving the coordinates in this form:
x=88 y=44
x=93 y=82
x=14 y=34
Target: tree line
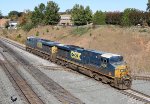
x=49 y=15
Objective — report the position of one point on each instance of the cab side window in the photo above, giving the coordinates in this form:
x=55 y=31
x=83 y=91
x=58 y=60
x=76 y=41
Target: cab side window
x=104 y=60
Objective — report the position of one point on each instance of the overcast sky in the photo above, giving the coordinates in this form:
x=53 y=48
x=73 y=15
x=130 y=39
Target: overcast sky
x=105 y=5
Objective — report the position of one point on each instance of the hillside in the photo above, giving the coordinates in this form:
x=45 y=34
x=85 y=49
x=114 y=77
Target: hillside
x=133 y=43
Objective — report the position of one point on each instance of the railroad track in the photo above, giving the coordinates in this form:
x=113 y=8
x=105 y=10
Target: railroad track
x=136 y=95
x=59 y=92
x=135 y=77
x=141 y=78
x=20 y=85
x=131 y=93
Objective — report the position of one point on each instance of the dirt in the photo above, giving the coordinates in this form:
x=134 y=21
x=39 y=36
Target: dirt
x=133 y=43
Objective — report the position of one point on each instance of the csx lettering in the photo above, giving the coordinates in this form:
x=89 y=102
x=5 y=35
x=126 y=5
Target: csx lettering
x=75 y=55
x=39 y=45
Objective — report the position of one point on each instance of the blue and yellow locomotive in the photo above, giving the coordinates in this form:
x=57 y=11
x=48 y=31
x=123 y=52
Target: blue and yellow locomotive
x=107 y=67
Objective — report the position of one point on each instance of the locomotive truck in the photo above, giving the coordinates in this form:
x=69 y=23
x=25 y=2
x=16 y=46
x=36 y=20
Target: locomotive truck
x=107 y=67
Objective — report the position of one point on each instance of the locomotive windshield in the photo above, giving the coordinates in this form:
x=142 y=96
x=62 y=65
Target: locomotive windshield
x=116 y=59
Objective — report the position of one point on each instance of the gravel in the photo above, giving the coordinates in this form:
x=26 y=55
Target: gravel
x=84 y=88
x=141 y=86
x=6 y=88
x=36 y=86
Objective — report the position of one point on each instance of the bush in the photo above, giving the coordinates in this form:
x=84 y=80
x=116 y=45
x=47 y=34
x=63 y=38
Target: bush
x=27 y=27
x=47 y=30
x=113 y=18
x=19 y=36
x=37 y=33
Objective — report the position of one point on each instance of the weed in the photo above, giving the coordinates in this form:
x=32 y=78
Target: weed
x=37 y=33
x=47 y=30
x=19 y=36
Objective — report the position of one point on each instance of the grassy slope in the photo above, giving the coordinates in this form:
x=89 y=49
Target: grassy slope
x=133 y=43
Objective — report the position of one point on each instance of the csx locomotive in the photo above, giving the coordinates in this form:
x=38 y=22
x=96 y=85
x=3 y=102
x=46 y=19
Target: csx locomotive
x=107 y=67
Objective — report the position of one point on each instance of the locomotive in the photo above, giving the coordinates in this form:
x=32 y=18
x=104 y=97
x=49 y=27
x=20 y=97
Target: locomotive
x=106 y=67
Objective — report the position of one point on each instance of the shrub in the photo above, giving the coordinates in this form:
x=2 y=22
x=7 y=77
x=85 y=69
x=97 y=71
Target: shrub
x=37 y=33
x=27 y=27
x=47 y=30
x=19 y=36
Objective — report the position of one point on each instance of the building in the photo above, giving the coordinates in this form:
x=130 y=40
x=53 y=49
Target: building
x=13 y=24
x=65 y=20
x=3 y=22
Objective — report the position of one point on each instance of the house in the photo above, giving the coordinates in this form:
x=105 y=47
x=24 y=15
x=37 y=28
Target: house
x=13 y=24
x=3 y=22
x=65 y=20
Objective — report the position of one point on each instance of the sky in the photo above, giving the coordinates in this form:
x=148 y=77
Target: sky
x=105 y=5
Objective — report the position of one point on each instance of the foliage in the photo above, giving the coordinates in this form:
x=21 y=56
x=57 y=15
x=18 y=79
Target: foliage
x=37 y=17
x=46 y=15
x=19 y=36
x=125 y=18
x=81 y=16
x=13 y=15
x=99 y=18
x=0 y=14
x=79 y=30
x=37 y=33
x=27 y=27
x=113 y=18
x=148 y=6
x=25 y=18
x=52 y=16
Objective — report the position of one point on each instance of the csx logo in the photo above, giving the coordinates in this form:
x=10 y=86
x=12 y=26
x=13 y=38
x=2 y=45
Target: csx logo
x=39 y=45
x=75 y=55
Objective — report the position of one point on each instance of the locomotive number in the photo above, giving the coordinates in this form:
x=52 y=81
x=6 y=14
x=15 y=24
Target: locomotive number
x=75 y=55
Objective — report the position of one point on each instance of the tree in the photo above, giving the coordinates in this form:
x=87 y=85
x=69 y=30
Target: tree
x=52 y=16
x=99 y=18
x=0 y=14
x=125 y=18
x=46 y=15
x=14 y=15
x=25 y=18
x=88 y=14
x=38 y=15
x=81 y=16
x=148 y=6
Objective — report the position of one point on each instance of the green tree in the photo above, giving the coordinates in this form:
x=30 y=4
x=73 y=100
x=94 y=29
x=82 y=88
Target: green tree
x=52 y=16
x=81 y=16
x=46 y=15
x=13 y=15
x=88 y=14
x=125 y=18
x=38 y=15
x=148 y=6
x=99 y=18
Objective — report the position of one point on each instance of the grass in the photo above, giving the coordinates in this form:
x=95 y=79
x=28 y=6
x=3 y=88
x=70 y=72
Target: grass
x=79 y=30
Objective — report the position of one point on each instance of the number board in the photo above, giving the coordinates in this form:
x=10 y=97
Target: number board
x=75 y=55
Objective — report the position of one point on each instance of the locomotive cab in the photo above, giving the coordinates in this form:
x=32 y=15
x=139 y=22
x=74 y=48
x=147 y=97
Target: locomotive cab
x=121 y=72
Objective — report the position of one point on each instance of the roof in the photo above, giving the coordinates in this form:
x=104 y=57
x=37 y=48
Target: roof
x=108 y=55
